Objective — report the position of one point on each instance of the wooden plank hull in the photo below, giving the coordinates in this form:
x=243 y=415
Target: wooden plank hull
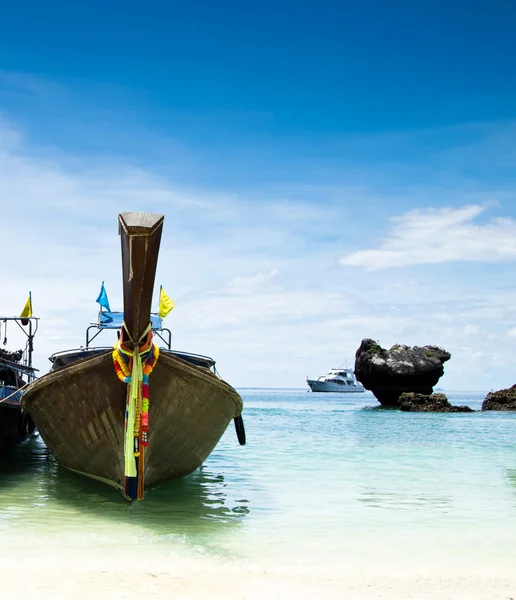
x=79 y=411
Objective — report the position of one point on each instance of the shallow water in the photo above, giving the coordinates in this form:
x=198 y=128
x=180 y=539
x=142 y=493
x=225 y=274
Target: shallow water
x=325 y=479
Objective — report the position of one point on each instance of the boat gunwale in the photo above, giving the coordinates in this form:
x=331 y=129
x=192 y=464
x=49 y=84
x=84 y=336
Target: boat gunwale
x=95 y=350
x=77 y=366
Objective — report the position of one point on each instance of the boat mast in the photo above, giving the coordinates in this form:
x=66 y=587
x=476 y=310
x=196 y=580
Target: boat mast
x=22 y=322
x=30 y=346
x=30 y=335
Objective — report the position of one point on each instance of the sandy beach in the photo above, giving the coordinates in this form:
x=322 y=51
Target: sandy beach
x=204 y=578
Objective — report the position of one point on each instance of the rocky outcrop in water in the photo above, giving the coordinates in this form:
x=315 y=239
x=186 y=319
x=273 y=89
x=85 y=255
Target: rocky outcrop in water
x=390 y=373
x=411 y=402
x=501 y=400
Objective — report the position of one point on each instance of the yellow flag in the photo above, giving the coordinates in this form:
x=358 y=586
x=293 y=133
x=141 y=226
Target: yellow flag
x=27 y=309
x=165 y=303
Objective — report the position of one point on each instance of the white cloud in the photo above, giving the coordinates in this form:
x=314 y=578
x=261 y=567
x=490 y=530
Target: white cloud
x=245 y=285
x=471 y=329
x=254 y=274
x=218 y=254
x=436 y=236
x=511 y=332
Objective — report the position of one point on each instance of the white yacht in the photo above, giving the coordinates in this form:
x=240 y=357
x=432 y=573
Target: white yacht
x=336 y=380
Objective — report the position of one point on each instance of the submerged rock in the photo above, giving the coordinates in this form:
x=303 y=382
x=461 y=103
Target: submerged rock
x=411 y=402
x=389 y=373
x=501 y=400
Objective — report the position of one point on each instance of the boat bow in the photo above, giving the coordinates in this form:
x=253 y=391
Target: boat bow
x=140 y=236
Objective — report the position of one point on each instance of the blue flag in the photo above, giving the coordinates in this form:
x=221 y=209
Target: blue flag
x=103 y=299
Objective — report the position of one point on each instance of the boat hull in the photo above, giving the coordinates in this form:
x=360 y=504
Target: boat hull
x=15 y=425
x=327 y=386
x=79 y=411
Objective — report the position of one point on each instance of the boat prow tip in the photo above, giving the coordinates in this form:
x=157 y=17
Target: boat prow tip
x=139 y=222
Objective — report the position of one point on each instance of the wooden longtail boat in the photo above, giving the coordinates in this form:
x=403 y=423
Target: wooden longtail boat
x=136 y=414
x=16 y=371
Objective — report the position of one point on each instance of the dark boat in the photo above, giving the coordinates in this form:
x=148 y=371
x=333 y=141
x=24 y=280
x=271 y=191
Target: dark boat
x=136 y=414
x=16 y=371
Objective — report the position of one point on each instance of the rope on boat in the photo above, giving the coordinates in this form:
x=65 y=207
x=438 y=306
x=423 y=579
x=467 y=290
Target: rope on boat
x=133 y=367
x=15 y=392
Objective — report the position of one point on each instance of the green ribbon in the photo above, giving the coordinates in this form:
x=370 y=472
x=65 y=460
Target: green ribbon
x=135 y=386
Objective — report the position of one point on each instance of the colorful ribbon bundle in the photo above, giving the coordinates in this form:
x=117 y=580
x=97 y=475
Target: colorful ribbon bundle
x=133 y=367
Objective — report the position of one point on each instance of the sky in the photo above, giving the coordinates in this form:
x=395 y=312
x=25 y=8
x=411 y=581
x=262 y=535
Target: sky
x=328 y=171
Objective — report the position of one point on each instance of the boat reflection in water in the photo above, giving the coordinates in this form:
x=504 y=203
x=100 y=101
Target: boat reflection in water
x=44 y=492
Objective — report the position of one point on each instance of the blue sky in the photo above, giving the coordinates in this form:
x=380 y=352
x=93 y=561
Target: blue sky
x=328 y=172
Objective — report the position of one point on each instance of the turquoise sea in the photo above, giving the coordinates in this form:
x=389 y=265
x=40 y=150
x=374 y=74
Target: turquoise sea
x=325 y=479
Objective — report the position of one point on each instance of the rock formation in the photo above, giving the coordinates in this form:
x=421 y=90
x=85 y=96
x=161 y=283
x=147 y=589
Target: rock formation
x=411 y=402
x=501 y=400
x=389 y=373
